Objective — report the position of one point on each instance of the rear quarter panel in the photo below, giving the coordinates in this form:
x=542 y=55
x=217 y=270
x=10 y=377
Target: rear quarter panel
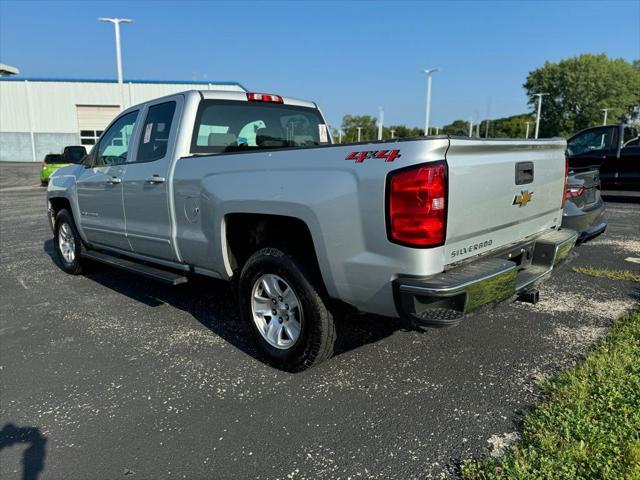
x=341 y=202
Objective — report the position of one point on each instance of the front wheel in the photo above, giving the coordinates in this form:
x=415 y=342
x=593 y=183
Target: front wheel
x=285 y=308
x=67 y=243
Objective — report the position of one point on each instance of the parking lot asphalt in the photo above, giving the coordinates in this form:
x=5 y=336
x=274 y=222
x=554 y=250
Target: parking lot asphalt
x=109 y=375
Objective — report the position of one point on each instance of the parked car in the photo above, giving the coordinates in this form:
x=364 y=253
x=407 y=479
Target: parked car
x=248 y=187
x=53 y=161
x=584 y=208
x=614 y=149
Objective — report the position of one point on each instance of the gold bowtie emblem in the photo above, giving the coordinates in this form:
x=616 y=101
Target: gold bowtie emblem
x=522 y=199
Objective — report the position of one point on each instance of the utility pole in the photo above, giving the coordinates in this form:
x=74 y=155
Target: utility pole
x=359 y=130
x=116 y=23
x=486 y=126
x=527 y=134
x=539 y=95
x=606 y=111
x=427 y=113
x=380 y=122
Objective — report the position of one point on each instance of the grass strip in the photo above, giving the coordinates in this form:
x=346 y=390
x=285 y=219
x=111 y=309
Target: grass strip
x=610 y=274
x=588 y=425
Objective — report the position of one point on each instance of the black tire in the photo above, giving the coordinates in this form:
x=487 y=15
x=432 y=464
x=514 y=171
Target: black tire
x=73 y=267
x=318 y=332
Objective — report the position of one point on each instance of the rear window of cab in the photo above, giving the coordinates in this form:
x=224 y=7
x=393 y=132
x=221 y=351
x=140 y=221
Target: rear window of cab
x=231 y=126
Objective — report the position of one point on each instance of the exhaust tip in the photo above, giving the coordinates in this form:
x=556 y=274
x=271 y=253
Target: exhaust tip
x=530 y=296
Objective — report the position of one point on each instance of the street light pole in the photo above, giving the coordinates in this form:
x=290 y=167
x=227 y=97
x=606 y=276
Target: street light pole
x=539 y=95
x=359 y=130
x=526 y=135
x=393 y=133
x=427 y=114
x=606 y=111
x=380 y=122
x=339 y=136
x=116 y=23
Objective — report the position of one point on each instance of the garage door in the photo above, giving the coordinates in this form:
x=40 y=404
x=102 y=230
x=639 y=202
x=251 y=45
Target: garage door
x=92 y=120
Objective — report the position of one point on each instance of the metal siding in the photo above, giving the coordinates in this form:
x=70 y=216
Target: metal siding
x=54 y=103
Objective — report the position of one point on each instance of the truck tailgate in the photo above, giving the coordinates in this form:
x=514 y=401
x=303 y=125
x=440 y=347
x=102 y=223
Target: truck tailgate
x=501 y=192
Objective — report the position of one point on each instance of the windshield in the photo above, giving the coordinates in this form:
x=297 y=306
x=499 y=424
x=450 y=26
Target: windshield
x=231 y=126
x=52 y=159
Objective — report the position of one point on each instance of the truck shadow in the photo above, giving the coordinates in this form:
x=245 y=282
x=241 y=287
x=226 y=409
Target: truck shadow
x=33 y=456
x=213 y=303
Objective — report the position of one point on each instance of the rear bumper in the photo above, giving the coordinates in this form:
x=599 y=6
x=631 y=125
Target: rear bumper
x=588 y=222
x=445 y=298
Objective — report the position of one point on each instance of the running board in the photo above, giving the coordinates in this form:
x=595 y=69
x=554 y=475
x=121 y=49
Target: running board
x=164 y=276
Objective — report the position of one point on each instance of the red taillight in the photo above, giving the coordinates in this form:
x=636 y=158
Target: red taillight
x=264 y=97
x=566 y=181
x=574 y=191
x=42 y=164
x=417 y=205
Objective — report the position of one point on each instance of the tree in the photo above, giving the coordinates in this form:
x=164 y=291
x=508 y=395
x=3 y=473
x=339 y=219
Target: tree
x=367 y=123
x=579 y=88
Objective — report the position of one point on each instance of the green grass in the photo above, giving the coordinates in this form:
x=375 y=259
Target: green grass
x=610 y=274
x=588 y=426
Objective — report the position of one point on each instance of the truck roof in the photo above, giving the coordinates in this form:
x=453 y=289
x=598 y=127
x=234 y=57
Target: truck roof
x=242 y=97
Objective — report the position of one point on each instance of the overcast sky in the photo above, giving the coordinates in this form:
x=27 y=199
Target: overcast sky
x=349 y=57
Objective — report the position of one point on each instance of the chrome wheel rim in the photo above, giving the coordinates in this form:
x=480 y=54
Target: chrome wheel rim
x=276 y=310
x=66 y=243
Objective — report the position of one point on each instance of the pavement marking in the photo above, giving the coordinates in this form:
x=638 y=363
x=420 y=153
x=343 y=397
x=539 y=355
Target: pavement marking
x=14 y=189
x=633 y=259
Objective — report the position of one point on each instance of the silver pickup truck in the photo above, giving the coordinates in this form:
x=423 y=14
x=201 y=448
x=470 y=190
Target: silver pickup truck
x=250 y=188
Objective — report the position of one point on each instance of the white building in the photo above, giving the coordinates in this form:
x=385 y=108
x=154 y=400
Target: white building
x=40 y=116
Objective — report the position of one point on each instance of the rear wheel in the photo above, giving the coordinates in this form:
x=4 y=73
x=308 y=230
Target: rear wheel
x=67 y=243
x=285 y=308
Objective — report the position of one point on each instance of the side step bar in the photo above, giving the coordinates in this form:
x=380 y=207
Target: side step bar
x=164 y=276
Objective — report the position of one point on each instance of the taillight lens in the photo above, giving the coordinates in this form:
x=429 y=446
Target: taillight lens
x=574 y=191
x=417 y=205
x=42 y=164
x=264 y=97
x=566 y=181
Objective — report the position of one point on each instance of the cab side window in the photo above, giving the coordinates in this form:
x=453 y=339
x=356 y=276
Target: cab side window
x=154 y=139
x=114 y=144
x=593 y=140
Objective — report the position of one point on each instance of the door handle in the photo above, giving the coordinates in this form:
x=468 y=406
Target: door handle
x=155 y=179
x=114 y=181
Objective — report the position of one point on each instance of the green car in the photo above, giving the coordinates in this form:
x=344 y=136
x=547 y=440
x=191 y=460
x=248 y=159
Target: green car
x=54 y=161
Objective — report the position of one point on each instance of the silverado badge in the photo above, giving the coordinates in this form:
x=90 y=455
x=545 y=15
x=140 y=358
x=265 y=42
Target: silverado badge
x=522 y=199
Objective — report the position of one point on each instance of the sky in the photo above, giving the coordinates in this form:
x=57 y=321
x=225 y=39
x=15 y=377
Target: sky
x=350 y=57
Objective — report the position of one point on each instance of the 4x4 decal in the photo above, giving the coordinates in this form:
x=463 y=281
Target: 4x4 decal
x=387 y=155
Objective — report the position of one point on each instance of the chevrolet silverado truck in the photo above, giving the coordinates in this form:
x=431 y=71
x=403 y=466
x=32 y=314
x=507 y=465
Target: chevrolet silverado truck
x=249 y=188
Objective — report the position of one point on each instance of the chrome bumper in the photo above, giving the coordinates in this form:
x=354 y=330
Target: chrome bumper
x=444 y=298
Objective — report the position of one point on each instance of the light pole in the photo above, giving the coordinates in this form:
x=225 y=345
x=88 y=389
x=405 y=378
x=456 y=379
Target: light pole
x=526 y=135
x=606 y=111
x=116 y=23
x=470 y=126
x=427 y=114
x=393 y=133
x=380 y=122
x=339 y=136
x=539 y=95
x=359 y=130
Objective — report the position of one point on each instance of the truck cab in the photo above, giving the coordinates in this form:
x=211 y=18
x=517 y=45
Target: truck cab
x=614 y=149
